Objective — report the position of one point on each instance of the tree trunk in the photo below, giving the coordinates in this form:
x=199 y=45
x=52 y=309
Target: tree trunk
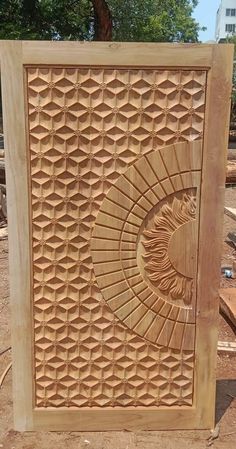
x=102 y=21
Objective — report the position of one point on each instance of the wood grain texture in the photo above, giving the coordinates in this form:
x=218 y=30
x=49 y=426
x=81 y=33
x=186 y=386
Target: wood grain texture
x=231 y=212
x=228 y=303
x=118 y=54
x=20 y=264
x=150 y=304
x=115 y=419
x=114 y=154
x=210 y=233
x=86 y=127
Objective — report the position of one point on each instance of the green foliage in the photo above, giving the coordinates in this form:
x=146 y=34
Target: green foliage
x=154 y=20
x=45 y=19
x=133 y=20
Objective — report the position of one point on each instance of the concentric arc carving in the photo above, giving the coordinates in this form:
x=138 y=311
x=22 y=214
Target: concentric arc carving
x=119 y=232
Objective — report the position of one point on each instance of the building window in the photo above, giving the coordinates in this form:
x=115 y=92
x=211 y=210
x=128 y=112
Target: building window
x=230 y=27
x=231 y=12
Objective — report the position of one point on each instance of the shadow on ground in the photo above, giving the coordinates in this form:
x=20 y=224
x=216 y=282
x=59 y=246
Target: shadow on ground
x=225 y=394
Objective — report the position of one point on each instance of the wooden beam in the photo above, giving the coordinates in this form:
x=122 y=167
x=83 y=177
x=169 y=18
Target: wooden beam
x=231 y=212
x=228 y=303
x=231 y=172
x=226 y=346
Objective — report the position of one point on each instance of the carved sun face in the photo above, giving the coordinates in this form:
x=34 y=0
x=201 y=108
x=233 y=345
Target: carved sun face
x=171 y=248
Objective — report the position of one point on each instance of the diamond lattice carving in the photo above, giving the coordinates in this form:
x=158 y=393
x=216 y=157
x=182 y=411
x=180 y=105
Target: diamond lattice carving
x=86 y=127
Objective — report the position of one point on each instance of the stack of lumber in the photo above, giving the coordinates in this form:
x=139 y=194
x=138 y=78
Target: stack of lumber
x=231 y=167
x=231 y=172
x=2 y=167
x=2 y=170
x=228 y=295
x=3 y=206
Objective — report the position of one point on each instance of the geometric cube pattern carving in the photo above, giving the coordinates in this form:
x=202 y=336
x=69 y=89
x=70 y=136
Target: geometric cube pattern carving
x=87 y=126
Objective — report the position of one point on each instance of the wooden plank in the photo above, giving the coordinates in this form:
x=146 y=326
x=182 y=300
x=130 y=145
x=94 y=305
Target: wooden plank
x=231 y=172
x=226 y=346
x=228 y=303
x=91 y=420
x=2 y=172
x=117 y=53
x=211 y=205
x=12 y=80
x=3 y=233
x=232 y=236
x=231 y=212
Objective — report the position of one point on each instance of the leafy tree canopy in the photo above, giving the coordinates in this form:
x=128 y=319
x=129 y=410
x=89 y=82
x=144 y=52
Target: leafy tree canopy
x=132 y=20
x=154 y=20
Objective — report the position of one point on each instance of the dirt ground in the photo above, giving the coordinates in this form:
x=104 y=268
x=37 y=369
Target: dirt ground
x=226 y=389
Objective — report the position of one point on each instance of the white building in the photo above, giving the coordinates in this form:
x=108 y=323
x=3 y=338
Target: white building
x=225 y=20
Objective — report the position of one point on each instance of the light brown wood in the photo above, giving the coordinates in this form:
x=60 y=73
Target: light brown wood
x=118 y=54
x=125 y=419
x=118 y=161
x=228 y=303
x=210 y=230
x=231 y=212
x=183 y=249
x=158 y=231
x=12 y=80
x=231 y=172
x=226 y=346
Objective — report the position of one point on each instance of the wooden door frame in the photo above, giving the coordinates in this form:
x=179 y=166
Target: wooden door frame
x=217 y=61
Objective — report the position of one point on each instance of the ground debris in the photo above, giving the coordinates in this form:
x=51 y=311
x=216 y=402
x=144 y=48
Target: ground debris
x=214 y=435
x=3 y=233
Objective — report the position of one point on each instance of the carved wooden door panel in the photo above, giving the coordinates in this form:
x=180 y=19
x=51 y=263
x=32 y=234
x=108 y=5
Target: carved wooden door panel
x=114 y=306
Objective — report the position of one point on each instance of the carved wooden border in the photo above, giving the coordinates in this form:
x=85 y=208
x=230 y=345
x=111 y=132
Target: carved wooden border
x=217 y=59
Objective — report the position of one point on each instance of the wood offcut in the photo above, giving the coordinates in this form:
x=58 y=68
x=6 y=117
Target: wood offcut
x=228 y=303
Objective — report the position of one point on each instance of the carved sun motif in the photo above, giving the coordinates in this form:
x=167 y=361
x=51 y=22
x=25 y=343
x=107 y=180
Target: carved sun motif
x=171 y=248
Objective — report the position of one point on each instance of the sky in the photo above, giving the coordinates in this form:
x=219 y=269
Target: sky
x=205 y=14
